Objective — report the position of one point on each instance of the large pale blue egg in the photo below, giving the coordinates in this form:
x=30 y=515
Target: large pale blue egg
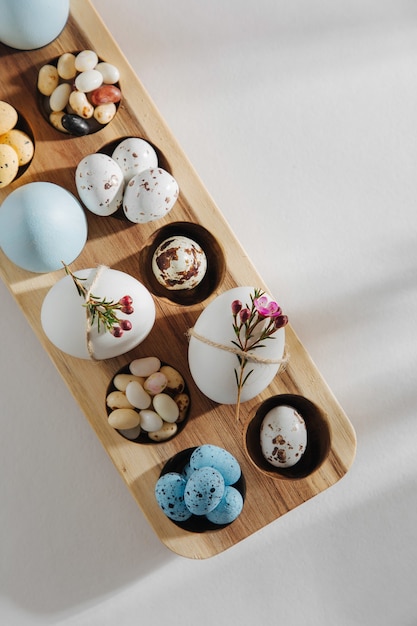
x=169 y=493
x=220 y=459
x=41 y=225
x=228 y=509
x=30 y=24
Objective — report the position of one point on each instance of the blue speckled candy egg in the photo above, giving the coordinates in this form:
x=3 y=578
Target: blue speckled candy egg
x=169 y=493
x=41 y=225
x=229 y=507
x=218 y=458
x=204 y=490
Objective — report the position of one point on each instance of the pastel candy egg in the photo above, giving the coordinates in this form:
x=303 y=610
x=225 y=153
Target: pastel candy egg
x=155 y=383
x=8 y=117
x=169 y=493
x=9 y=165
x=150 y=195
x=283 y=436
x=229 y=507
x=166 y=407
x=137 y=395
x=213 y=456
x=100 y=183
x=21 y=144
x=145 y=366
x=150 y=420
x=134 y=155
x=204 y=490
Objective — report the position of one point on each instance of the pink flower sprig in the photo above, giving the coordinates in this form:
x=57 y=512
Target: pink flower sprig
x=249 y=333
x=102 y=311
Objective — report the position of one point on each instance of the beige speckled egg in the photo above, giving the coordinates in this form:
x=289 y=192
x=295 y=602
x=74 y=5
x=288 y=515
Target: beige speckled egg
x=283 y=436
x=8 y=117
x=21 y=143
x=9 y=164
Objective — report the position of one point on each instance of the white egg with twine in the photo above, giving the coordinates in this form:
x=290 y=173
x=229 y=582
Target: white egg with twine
x=216 y=357
x=68 y=325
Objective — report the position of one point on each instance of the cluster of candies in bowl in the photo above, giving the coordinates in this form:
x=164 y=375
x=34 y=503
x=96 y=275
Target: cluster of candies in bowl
x=201 y=488
x=79 y=94
x=16 y=146
x=147 y=401
x=130 y=178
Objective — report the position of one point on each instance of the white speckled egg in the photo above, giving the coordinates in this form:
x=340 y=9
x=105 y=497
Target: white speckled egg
x=179 y=263
x=134 y=155
x=150 y=195
x=212 y=368
x=41 y=225
x=100 y=184
x=283 y=436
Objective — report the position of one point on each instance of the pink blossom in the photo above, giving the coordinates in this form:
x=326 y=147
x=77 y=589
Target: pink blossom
x=236 y=306
x=267 y=308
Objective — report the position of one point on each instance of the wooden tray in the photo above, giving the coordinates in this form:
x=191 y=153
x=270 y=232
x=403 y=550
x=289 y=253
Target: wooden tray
x=117 y=244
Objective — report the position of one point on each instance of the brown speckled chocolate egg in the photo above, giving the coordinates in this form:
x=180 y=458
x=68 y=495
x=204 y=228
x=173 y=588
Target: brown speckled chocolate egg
x=179 y=263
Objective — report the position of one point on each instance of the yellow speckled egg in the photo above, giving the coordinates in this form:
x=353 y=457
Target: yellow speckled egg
x=21 y=143
x=9 y=164
x=8 y=117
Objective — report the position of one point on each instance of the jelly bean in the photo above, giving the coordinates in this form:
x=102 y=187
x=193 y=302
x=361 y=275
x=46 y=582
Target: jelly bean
x=155 y=383
x=121 y=381
x=59 y=97
x=175 y=382
x=88 y=80
x=105 y=94
x=137 y=396
x=150 y=420
x=166 y=407
x=104 y=113
x=80 y=105
x=118 y=400
x=124 y=418
x=48 y=79
x=163 y=434
x=86 y=60
x=75 y=124
x=145 y=366
x=66 y=66
x=55 y=117
x=109 y=72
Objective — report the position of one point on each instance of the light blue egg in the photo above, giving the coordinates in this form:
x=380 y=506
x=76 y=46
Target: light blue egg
x=228 y=509
x=41 y=225
x=209 y=455
x=204 y=490
x=169 y=493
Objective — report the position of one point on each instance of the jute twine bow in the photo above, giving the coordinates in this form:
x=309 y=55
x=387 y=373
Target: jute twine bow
x=248 y=356
x=99 y=270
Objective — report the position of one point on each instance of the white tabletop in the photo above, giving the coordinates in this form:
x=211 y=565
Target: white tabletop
x=300 y=118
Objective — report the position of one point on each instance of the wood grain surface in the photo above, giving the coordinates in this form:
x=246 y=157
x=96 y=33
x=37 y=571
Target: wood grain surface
x=118 y=244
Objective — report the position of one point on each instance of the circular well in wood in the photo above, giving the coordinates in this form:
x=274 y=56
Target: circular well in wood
x=318 y=438
x=216 y=264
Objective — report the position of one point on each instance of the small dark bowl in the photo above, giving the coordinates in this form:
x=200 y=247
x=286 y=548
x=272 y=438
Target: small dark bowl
x=197 y=523
x=216 y=264
x=318 y=438
x=23 y=125
x=43 y=103
x=143 y=435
